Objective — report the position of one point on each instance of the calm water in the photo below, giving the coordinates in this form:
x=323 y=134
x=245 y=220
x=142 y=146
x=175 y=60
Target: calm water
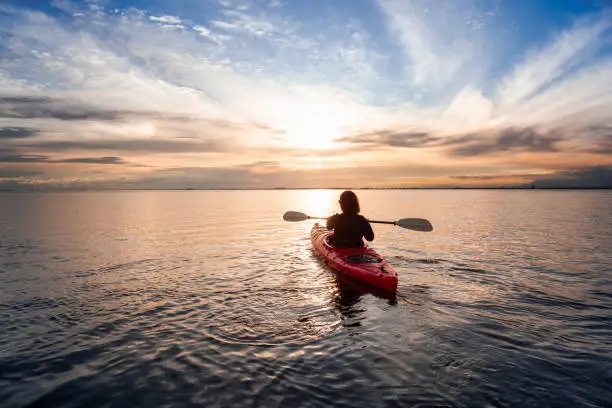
x=192 y=298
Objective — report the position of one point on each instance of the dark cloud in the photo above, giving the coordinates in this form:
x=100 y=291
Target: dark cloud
x=586 y=177
x=35 y=158
x=527 y=139
x=393 y=138
x=17 y=107
x=130 y=145
x=16 y=173
x=517 y=140
x=23 y=99
x=260 y=164
x=602 y=143
x=37 y=107
x=600 y=130
x=17 y=132
x=23 y=158
x=473 y=144
x=93 y=160
x=485 y=177
x=10 y=185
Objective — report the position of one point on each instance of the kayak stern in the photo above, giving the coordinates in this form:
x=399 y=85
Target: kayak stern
x=360 y=263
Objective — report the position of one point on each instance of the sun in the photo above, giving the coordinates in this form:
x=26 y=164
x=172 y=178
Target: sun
x=317 y=134
x=314 y=126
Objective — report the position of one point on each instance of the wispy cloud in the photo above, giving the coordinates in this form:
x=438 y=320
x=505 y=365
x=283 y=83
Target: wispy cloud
x=444 y=42
x=207 y=33
x=166 y=19
x=541 y=67
x=249 y=90
x=239 y=22
x=17 y=132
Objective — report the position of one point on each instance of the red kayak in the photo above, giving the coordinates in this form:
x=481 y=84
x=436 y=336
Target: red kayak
x=362 y=263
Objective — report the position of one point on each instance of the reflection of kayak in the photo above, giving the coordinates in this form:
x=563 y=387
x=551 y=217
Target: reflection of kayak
x=362 y=263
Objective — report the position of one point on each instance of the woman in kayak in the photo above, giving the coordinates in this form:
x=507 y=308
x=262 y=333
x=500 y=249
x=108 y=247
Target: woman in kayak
x=349 y=227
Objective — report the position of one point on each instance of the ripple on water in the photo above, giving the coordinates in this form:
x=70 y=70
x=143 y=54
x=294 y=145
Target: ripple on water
x=251 y=317
x=150 y=300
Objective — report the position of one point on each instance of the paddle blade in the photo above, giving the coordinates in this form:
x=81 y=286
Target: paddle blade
x=415 y=224
x=294 y=216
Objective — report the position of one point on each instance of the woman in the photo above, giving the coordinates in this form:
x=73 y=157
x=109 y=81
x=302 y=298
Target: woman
x=349 y=227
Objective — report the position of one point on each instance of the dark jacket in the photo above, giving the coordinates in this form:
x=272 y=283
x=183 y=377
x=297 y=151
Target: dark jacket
x=349 y=229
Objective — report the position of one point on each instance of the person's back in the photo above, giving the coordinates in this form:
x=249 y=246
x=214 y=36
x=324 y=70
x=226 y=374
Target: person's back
x=349 y=227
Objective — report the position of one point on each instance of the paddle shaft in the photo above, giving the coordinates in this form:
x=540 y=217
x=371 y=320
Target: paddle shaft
x=414 y=224
x=373 y=222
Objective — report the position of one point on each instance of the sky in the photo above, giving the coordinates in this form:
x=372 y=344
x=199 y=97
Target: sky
x=114 y=94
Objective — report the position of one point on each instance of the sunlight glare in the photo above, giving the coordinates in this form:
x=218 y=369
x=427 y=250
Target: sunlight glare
x=319 y=203
x=315 y=124
x=314 y=133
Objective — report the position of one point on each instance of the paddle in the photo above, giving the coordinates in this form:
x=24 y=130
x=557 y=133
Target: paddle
x=415 y=224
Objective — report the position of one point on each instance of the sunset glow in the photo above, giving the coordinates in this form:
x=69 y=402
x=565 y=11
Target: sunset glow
x=265 y=94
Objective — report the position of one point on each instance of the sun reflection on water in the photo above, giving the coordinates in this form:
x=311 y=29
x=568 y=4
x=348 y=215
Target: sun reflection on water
x=319 y=203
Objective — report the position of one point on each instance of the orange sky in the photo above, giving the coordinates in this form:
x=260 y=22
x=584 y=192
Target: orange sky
x=161 y=102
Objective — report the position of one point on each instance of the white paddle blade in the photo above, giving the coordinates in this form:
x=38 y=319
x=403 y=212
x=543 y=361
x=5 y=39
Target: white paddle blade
x=415 y=224
x=294 y=216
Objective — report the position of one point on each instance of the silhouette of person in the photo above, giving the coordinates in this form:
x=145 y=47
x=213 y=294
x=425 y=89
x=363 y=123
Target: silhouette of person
x=349 y=226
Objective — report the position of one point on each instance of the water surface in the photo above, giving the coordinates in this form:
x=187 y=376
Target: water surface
x=207 y=298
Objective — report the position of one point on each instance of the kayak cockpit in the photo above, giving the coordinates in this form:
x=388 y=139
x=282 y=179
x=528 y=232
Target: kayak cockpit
x=362 y=259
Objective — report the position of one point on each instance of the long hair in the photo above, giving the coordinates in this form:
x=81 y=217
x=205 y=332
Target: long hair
x=349 y=202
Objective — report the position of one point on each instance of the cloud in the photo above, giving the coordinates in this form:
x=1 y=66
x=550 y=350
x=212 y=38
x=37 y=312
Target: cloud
x=17 y=132
x=166 y=19
x=470 y=144
x=275 y=3
x=603 y=147
x=64 y=109
x=35 y=158
x=93 y=160
x=395 y=138
x=495 y=177
x=142 y=146
x=579 y=97
x=253 y=91
x=515 y=140
x=586 y=177
x=593 y=139
x=444 y=42
x=261 y=164
x=541 y=67
x=44 y=107
x=8 y=173
x=253 y=175
x=23 y=158
x=60 y=183
x=583 y=177
x=207 y=33
x=241 y=22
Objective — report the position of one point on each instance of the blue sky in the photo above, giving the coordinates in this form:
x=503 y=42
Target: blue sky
x=240 y=93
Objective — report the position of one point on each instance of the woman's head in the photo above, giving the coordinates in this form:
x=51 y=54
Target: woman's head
x=349 y=203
